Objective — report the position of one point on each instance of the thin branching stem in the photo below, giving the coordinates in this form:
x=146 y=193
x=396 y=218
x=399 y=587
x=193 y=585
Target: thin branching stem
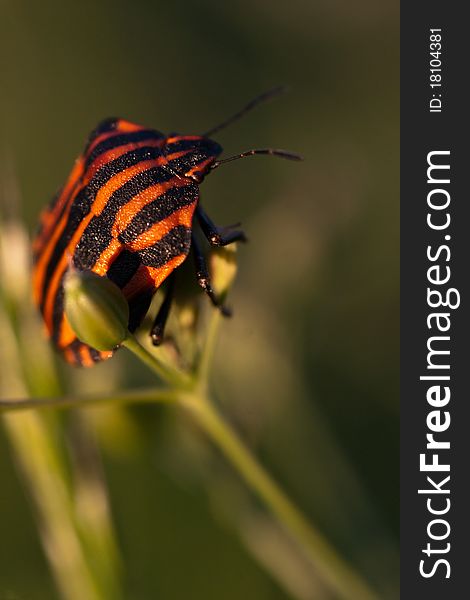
x=153 y=395
x=339 y=576
x=169 y=375
x=193 y=398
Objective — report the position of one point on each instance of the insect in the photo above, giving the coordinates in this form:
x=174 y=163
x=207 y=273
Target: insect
x=128 y=211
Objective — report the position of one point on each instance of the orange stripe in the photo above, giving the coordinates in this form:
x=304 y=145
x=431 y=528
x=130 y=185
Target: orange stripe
x=200 y=166
x=67 y=335
x=183 y=216
x=141 y=281
x=41 y=265
x=49 y=216
x=114 y=153
x=122 y=126
x=69 y=356
x=43 y=260
x=125 y=126
x=85 y=356
x=159 y=274
x=105 y=192
x=129 y=210
x=101 y=199
x=137 y=202
x=107 y=257
x=150 y=277
x=182 y=138
x=51 y=292
x=98 y=205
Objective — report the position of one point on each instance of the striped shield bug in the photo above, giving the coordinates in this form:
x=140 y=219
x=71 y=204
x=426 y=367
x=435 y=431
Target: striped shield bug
x=127 y=212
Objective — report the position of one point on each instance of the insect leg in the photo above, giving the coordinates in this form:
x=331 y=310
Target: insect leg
x=218 y=236
x=158 y=327
x=138 y=308
x=203 y=277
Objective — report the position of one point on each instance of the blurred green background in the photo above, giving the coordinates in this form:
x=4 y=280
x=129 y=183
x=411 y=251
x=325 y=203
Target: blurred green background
x=307 y=369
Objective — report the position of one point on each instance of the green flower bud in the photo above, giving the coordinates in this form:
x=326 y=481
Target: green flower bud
x=96 y=309
x=223 y=268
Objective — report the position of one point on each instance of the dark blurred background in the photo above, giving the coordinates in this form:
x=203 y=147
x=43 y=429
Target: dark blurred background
x=307 y=368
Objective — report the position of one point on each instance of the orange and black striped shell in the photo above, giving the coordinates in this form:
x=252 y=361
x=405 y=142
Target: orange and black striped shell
x=125 y=212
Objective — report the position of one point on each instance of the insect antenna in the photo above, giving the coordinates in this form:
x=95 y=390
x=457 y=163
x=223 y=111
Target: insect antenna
x=269 y=151
x=280 y=89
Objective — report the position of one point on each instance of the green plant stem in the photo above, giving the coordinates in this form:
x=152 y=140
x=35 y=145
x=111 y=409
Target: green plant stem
x=40 y=455
x=173 y=377
x=334 y=571
x=208 y=350
x=43 y=469
x=339 y=576
x=130 y=397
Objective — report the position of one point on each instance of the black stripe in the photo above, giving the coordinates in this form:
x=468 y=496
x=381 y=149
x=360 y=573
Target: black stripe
x=124 y=268
x=187 y=163
x=59 y=215
x=104 y=126
x=198 y=151
x=94 y=240
x=95 y=355
x=98 y=233
x=173 y=244
x=75 y=347
x=183 y=144
x=41 y=227
x=161 y=208
x=83 y=201
x=58 y=311
x=123 y=139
